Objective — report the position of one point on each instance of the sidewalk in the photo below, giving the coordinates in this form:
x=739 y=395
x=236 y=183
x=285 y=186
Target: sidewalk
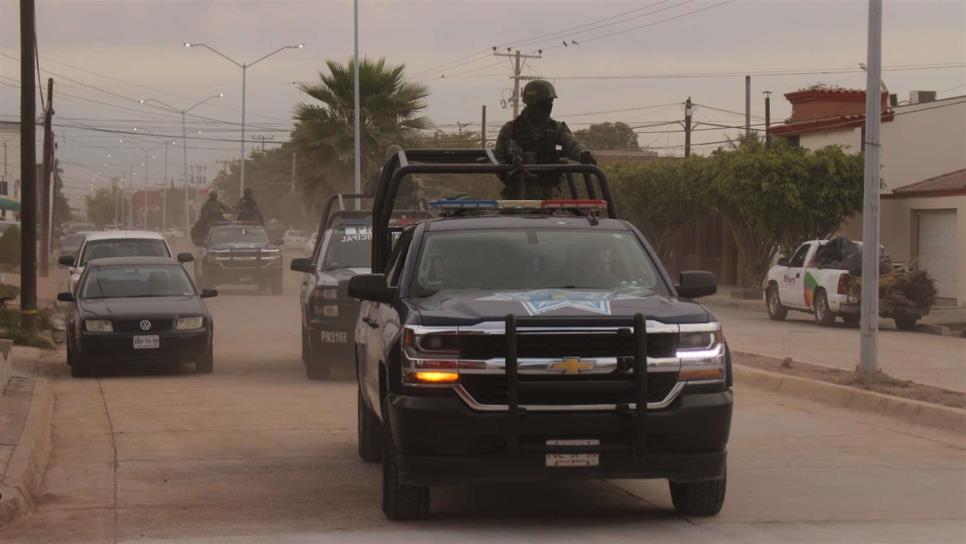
x=26 y=409
x=928 y=359
x=938 y=316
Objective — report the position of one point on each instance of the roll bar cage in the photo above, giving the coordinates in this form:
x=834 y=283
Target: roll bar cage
x=466 y=161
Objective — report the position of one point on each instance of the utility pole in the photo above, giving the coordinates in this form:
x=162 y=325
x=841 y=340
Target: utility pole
x=45 y=199
x=28 y=170
x=483 y=129
x=869 y=352
x=747 y=106
x=146 y=189
x=262 y=138
x=767 y=119
x=293 y=170
x=688 y=110
x=518 y=58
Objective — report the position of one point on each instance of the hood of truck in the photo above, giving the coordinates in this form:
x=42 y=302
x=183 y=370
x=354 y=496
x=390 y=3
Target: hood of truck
x=467 y=307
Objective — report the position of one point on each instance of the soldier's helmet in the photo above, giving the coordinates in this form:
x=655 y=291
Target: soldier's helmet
x=248 y=193
x=213 y=195
x=538 y=90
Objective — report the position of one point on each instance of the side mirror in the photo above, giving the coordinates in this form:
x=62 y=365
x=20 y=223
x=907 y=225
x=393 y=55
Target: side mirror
x=185 y=257
x=696 y=283
x=783 y=261
x=302 y=265
x=66 y=260
x=65 y=297
x=372 y=287
x=209 y=293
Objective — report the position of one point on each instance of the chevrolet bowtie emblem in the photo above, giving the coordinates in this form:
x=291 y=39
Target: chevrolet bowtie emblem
x=570 y=365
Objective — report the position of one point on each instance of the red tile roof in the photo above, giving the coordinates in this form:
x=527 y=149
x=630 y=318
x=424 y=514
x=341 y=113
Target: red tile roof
x=949 y=184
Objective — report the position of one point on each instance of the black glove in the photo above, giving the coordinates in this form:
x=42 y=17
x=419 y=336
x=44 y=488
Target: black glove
x=586 y=157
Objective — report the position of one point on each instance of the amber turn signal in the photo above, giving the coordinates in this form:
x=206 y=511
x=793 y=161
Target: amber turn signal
x=435 y=377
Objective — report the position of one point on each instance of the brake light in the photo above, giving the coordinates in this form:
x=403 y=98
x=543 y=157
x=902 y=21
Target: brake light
x=843 y=288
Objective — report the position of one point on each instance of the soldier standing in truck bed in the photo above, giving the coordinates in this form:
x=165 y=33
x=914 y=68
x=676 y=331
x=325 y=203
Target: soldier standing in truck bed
x=533 y=138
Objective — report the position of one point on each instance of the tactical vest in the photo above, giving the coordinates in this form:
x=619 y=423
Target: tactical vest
x=539 y=142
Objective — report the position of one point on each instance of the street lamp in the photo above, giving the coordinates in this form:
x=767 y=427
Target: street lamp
x=244 y=68
x=184 y=138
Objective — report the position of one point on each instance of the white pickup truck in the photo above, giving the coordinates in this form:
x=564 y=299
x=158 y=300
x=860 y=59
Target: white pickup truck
x=809 y=281
x=797 y=283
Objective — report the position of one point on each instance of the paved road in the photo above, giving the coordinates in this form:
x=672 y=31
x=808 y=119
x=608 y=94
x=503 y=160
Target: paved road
x=255 y=453
x=925 y=358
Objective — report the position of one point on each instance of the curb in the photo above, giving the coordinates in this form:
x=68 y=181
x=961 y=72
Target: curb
x=25 y=472
x=912 y=411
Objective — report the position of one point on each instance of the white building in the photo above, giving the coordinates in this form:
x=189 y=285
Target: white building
x=10 y=173
x=923 y=161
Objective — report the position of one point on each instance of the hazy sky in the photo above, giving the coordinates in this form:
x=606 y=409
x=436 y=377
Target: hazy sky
x=119 y=51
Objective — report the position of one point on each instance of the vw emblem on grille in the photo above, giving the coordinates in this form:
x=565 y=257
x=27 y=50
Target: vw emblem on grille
x=145 y=325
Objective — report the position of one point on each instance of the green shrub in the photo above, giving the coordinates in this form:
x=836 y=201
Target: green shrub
x=10 y=246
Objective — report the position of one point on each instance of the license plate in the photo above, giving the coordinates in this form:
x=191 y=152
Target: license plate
x=573 y=459
x=147 y=341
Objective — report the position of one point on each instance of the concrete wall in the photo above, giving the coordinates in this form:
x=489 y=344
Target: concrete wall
x=923 y=141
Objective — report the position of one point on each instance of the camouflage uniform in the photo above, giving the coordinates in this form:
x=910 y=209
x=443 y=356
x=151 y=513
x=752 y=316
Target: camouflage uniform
x=533 y=138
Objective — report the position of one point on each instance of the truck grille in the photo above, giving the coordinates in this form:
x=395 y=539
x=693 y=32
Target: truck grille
x=617 y=344
x=568 y=390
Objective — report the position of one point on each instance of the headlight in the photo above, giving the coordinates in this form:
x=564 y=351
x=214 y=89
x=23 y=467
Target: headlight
x=189 y=323
x=330 y=293
x=702 y=355
x=222 y=258
x=98 y=325
x=330 y=310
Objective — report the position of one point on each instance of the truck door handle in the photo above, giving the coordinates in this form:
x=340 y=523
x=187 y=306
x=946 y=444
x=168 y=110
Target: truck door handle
x=371 y=322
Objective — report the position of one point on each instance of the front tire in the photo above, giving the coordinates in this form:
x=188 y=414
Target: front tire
x=369 y=430
x=207 y=364
x=823 y=314
x=400 y=502
x=78 y=367
x=776 y=311
x=317 y=367
x=698 y=498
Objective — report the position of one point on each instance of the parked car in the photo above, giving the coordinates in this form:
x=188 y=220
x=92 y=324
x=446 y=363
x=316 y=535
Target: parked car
x=137 y=310
x=70 y=243
x=120 y=243
x=294 y=238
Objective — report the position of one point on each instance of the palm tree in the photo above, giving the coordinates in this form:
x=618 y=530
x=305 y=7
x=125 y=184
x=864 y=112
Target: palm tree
x=390 y=112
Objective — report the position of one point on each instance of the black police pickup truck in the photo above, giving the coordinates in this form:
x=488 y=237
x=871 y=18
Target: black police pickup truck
x=342 y=250
x=508 y=341
x=237 y=253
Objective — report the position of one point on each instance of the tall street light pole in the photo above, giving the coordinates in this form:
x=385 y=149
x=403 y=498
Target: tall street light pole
x=244 y=68
x=357 y=185
x=184 y=140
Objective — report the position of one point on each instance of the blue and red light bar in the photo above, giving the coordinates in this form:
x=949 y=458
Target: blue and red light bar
x=551 y=204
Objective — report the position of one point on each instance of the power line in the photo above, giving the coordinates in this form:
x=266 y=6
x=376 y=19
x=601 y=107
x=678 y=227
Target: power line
x=763 y=73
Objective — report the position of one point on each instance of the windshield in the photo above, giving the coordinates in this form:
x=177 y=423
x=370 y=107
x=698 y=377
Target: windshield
x=123 y=247
x=127 y=281
x=72 y=240
x=239 y=235
x=535 y=259
x=349 y=247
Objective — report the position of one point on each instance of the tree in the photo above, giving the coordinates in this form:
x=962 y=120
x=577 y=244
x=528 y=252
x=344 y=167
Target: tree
x=778 y=197
x=391 y=110
x=101 y=205
x=616 y=136
x=660 y=197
